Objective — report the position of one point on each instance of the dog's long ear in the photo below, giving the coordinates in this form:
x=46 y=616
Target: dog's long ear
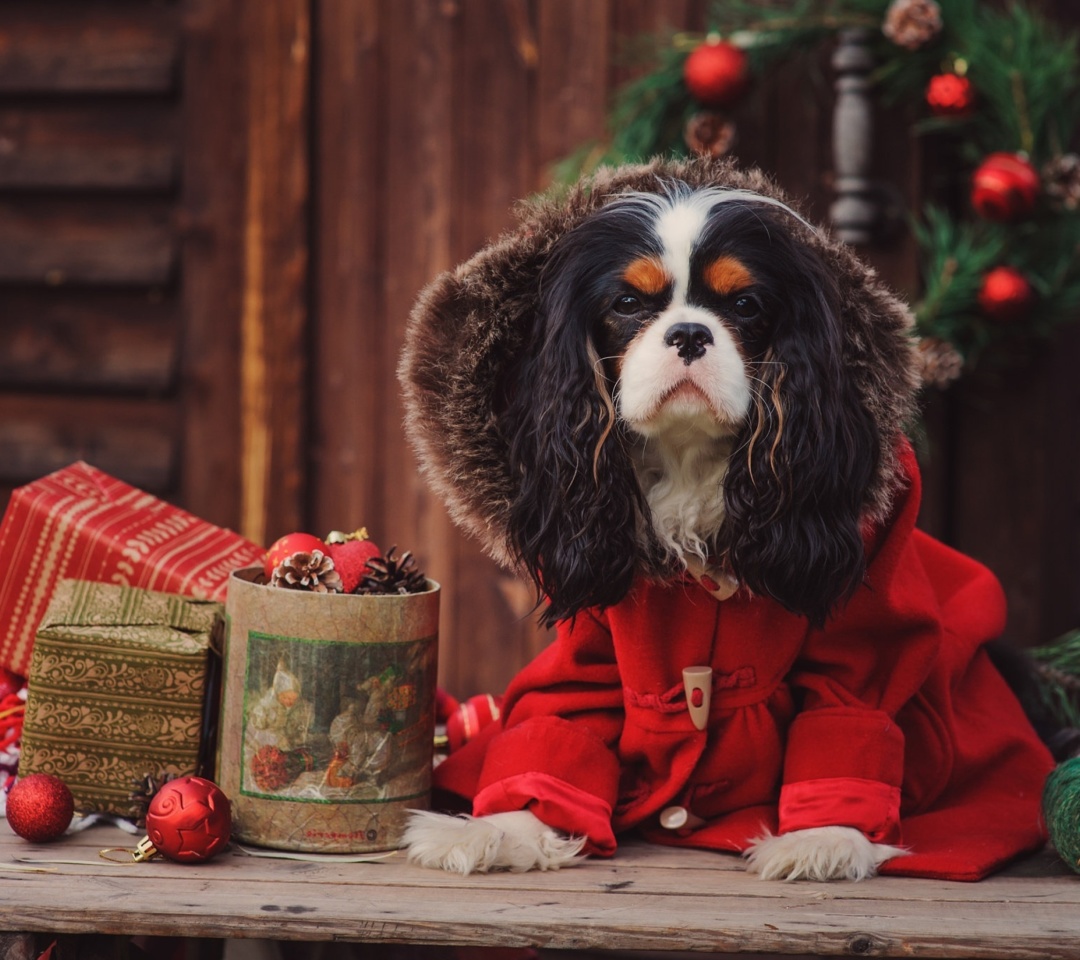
x=797 y=484
x=577 y=510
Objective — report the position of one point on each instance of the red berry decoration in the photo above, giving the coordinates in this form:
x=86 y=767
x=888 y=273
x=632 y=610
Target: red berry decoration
x=1004 y=187
x=950 y=95
x=1005 y=294
x=351 y=561
x=40 y=807
x=189 y=820
x=716 y=73
x=289 y=544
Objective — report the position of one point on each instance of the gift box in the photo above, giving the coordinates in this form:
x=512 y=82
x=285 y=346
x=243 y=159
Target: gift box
x=82 y=524
x=117 y=690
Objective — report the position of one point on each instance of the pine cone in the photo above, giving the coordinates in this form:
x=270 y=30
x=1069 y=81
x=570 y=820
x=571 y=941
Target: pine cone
x=307 y=571
x=146 y=789
x=941 y=362
x=709 y=134
x=912 y=23
x=1061 y=177
x=390 y=575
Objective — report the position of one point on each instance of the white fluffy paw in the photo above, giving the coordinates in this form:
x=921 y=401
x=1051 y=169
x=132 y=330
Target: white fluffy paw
x=515 y=841
x=820 y=853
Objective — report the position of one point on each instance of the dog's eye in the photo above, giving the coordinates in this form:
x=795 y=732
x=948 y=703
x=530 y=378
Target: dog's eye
x=627 y=305
x=746 y=307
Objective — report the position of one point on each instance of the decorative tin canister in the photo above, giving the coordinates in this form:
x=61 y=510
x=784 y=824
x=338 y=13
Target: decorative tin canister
x=328 y=714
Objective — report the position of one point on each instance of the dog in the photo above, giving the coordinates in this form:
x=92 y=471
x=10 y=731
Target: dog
x=679 y=409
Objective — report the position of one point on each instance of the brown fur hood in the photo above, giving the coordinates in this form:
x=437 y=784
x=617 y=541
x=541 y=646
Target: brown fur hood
x=472 y=325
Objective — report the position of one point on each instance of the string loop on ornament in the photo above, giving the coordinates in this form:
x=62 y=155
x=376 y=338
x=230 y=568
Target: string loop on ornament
x=131 y=858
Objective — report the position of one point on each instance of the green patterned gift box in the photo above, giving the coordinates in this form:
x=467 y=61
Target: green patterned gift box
x=117 y=687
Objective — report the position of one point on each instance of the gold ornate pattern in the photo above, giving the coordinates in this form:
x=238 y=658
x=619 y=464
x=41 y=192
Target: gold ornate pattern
x=117 y=683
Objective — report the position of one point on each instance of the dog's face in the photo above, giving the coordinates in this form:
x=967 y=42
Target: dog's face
x=698 y=327
x=687 y=319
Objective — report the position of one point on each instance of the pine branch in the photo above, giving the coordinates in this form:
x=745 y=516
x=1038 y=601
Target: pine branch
x=1058 y=675
x=956 y=254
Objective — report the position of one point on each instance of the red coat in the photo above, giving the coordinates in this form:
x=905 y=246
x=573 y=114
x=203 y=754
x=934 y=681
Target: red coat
x=891 y=719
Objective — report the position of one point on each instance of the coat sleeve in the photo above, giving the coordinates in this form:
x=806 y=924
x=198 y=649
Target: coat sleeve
x=844 y=762
x=567 y=704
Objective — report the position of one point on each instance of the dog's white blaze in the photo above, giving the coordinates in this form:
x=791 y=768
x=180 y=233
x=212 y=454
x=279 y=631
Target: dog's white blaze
x=678 y=228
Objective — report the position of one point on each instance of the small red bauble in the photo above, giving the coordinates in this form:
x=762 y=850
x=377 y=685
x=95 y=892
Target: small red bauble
x=1004 y=187
x=289 y=544
x=40 y=807
x=950 y=95
x=470 y=717
x=350 y=561
x=716 y=73
x=1005 y=294
x=189 y=820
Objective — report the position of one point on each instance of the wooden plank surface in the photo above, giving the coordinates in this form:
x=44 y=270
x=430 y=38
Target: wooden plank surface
x=93 y=242
x=210 y=208
x=60 y=339
x=125 y=144
x=647 y=898
x=68 y=47
x=133 y=439
x=273 y=357
x=349 y=395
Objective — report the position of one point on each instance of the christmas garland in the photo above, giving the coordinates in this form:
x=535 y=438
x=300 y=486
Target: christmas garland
x=998 y=87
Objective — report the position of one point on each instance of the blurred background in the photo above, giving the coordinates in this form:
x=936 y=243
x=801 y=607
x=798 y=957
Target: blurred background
x=215 y=216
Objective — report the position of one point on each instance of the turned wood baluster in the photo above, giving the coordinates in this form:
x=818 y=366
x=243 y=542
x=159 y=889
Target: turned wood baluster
x=856 y=210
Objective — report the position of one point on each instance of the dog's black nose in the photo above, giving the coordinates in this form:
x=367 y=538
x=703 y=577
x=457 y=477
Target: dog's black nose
x=690 y=339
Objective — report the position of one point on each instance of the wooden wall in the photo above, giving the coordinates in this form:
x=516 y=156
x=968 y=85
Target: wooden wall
x=215 y=216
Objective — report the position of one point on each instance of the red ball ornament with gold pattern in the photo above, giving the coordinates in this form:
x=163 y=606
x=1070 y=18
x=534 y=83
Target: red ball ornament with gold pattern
x=950 y=95
x=188 y=820
x=1004 y=187
x=284 y=547
x=1006 y=294
x=716 y=73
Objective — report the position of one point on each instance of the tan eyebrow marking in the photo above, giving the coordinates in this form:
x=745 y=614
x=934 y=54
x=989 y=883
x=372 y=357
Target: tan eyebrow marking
x=726 y=275
x=648 y=275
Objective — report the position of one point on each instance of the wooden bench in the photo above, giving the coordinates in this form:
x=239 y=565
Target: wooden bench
x=647 y=898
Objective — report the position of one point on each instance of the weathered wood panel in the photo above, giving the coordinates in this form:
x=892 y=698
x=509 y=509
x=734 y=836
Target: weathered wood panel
x=87 y=47
x=101 y=145
x=61 y=339
x=416 y=225
x=273 y=357
x=646 y=898
x=130 y=439
x=89 y=242
x=211 y=209
x=354 y=385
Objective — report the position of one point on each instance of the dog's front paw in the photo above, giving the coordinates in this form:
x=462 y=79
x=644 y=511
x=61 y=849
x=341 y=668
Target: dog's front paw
x=515 y=841
x=820 y=853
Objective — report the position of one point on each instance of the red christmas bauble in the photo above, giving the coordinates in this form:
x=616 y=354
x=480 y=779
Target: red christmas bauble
x=40 y=807
x=9 y=683
x=1005 y=294
x=470 y=718
x=189 y=820
x=716 y=73
x=350 y=561
x=289 y=544
x=1004 y=187
x=950 y=95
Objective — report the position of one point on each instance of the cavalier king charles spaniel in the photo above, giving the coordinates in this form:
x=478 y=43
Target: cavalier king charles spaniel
x=669 y=391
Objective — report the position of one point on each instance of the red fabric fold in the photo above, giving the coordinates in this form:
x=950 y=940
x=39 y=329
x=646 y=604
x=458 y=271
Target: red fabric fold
x=555 y=802
x=867 y=805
